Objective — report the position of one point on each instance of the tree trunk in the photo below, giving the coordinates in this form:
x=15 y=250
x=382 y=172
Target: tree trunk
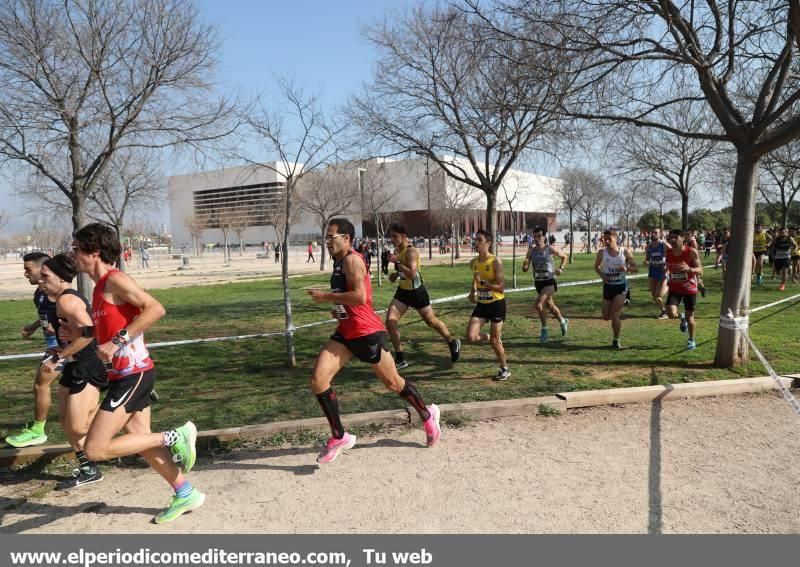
x=684 y=211
x=225 y=255
x=121 y=259
x=379 y=239
x=458 y=240
x=85 y=284
x=287 y=298
x=571 y=236
x=453 y=245
x=514 y=251
x=732 y=349
x=589 y=238
x=785 y=217
x=491 y=216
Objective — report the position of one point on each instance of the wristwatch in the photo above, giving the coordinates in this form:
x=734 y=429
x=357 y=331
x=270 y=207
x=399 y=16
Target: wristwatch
x=121 y=338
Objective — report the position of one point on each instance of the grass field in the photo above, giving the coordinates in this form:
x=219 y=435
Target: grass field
x=240 y=382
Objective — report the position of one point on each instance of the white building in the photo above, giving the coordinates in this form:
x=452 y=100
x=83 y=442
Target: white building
x=400 y=187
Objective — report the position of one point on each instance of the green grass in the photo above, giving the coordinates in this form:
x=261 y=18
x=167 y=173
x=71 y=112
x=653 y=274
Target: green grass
x=241 y=382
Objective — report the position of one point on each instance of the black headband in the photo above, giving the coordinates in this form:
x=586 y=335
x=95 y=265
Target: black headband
x=59 y=269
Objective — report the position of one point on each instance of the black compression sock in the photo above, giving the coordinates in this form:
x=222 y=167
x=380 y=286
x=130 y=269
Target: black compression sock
x=409 y=393
x=330 y=407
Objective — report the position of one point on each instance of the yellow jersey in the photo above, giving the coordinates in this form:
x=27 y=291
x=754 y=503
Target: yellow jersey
x=402 y=281
x=486 y=270
x=759 y=242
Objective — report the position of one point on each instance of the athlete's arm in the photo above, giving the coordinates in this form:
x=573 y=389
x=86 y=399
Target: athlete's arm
x=527 y=262
x=410 y=270
x=559 y=254
x=500 y=282
x=598 y=261
x=73 y=311
x=125 y=290
x=696 y=266
x=630 y=262
x=28 y=330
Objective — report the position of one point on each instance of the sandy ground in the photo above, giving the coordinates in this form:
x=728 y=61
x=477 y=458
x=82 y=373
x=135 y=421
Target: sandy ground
x=711 y=465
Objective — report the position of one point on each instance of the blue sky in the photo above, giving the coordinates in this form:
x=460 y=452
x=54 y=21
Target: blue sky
x=318 y=43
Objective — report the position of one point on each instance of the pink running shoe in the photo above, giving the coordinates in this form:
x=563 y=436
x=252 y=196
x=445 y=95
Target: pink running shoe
x=432 y=429
x=335 y=446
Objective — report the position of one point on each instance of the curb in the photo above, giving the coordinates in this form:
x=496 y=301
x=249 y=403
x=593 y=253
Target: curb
x=473 y=410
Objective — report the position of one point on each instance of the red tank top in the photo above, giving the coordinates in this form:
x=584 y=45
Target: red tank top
x=354 y=320
x=109 y=319
x=684 y=283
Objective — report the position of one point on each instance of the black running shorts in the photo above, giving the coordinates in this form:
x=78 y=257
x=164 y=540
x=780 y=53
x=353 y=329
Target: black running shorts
x=131 y=392
x=610 y=291
x=415 y=298
x=541 y=284
x=494 y=311
x=689 y=300
x=367 y=348
x=781 y=264
x=86 y=370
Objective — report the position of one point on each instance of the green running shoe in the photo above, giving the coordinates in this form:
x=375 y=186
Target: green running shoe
x=26 y=438
x=184 y=452
x=179 y=506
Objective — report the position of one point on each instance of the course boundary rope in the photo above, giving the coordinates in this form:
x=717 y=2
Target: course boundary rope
x=724 y=320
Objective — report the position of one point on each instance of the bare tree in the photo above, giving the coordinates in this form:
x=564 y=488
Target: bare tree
x=570 y=195
x=82 y=79
x=780 y=183
x=326 y=195
x=655 y=195
x=666 y=160
x=629 y=201
x=239 y=224
x=451 y=88
x=378 y=202
x=5 y=217
x=197 y=227
x=296 y=132
x=737 y=58
x=224 y=217
x=594 y=191
x=451 y=200
x=514 y=189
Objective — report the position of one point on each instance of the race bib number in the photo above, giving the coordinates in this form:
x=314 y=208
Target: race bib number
x=657 y=261
x=484 y=295
x=679 y=276
x=613 y=276
x=340 y=312
x=541 y=275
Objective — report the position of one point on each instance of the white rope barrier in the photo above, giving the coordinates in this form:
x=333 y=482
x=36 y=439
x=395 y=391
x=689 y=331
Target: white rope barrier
x=781 y=386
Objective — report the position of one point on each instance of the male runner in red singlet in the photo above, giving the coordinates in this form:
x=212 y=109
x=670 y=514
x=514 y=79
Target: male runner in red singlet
x=360 y=333
x=121 y=312
x=684 y=267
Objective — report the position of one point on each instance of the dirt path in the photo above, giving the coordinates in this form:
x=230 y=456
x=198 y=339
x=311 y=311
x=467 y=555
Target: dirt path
x=724 y=464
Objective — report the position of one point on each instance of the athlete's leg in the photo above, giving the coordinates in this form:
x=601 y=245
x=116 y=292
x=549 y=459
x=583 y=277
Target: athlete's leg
x=606 y=309
x=541 y=301
x=474 y=335
x=554 y=310
x=41 y=392
x=101 y=445
x=497 y=343
x=159 y=458
x=76 y=413
x=615 y=312
x=429 y=316
x=396 y=310
x=692 y=324
x=332 y=358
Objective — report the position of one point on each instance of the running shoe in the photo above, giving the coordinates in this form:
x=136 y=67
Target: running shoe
x=684 y=326
x=184 y=452
x=433 y=430
x=335 y=446
x=691 y=344
x=502 y=375
x=615 y=344
x=455 y=349
x=758 y=280
x=26 y=438
x=543 y=336
x=400 y=361
x=154 y=396
x=81 y=477
x=662 y=315
x=179 y=506
x=564 y=327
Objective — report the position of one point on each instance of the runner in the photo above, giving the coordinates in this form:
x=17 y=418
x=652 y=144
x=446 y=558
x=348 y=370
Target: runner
x=795 y=255
x=708 y=243
x=785 y=246
x=411 y=292
x=612 y=263
x=122 y=312
x=83 y=376
x=47 y=320
x=761 y=242
x=360 y=333
x=488 y=287
x=722 y=251
x=541 y=256
x=310 y=253
x=684 y=266
x=723 y=258
x=655 y=257
x=691 y=241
